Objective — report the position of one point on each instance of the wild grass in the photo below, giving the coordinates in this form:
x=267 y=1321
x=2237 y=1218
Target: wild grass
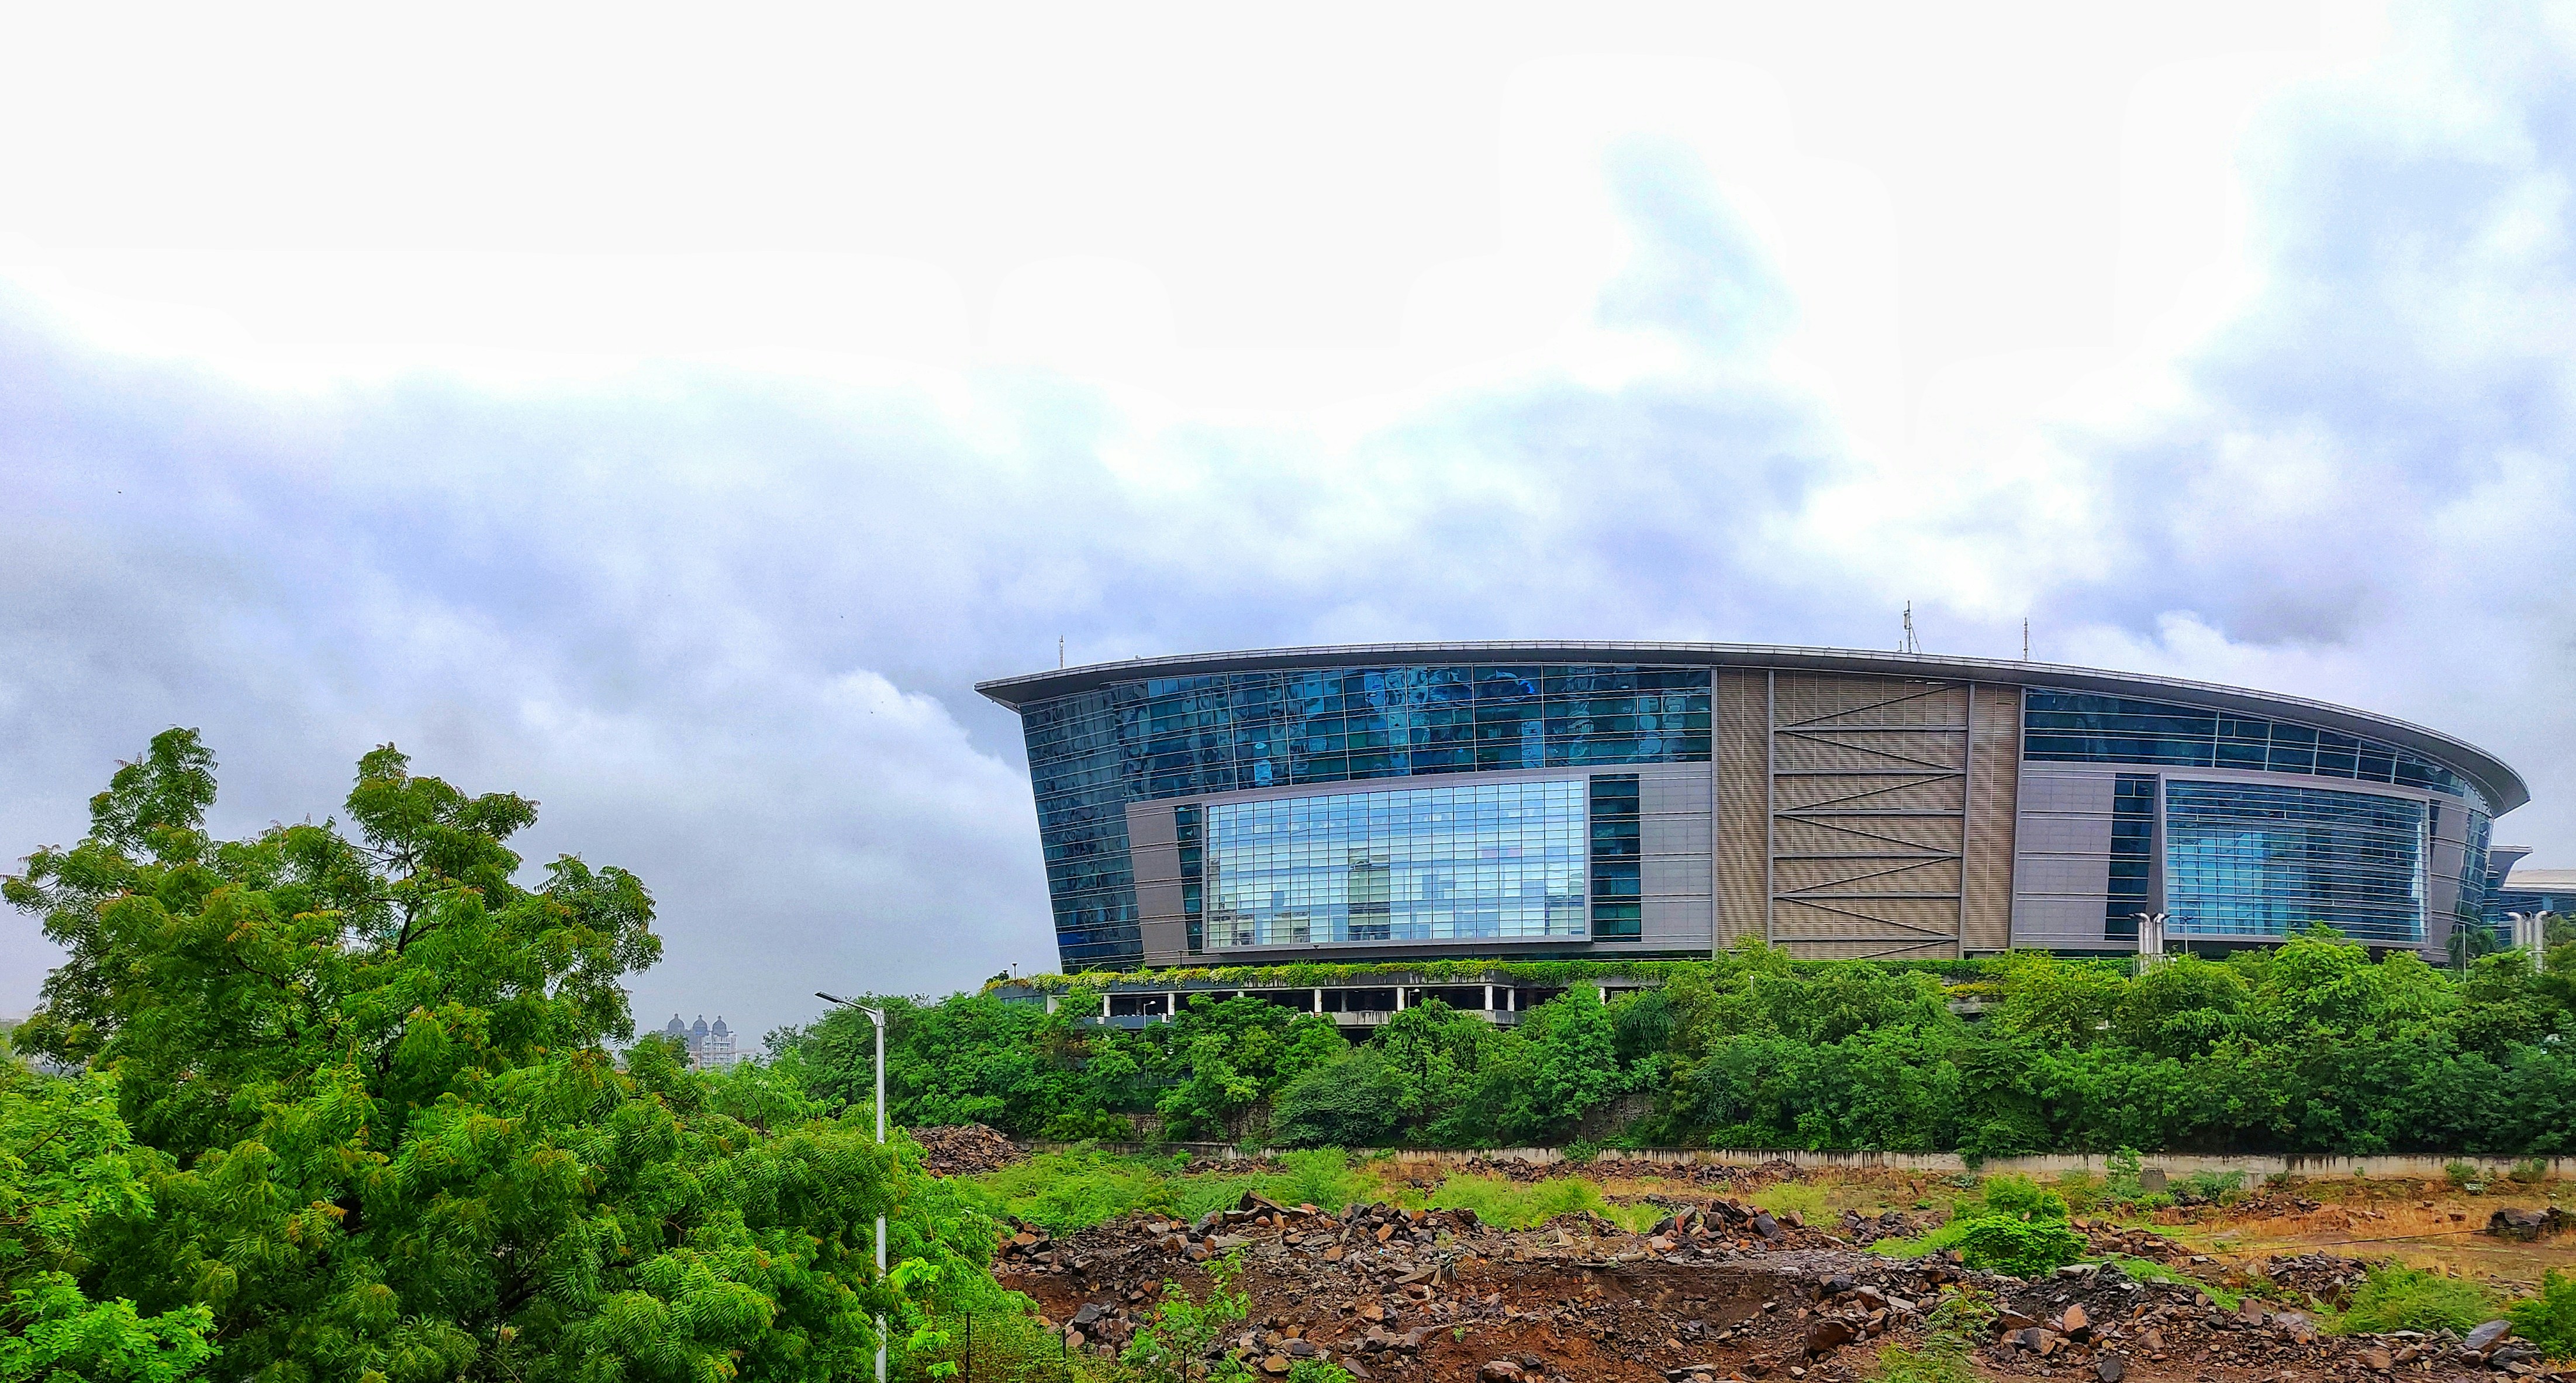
x=1956 y=1326
x=1803 y=1197
x=2148 y=1270
x=2397 y=1297
x=1511 y=1204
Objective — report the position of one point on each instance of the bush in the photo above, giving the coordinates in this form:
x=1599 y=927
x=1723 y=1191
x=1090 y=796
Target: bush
x=2549 y=1319
x=2016 y=1195
x=2214 y=1185
x=2397 y=1297
x=1356 y=1100
x=2009 y=1244
x=2460 y=1173
x=1071 y=1190
x=2530 y=1170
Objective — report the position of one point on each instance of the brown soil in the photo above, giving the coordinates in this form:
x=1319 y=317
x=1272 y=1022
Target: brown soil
x=965 y=1149
x=1720 y=1291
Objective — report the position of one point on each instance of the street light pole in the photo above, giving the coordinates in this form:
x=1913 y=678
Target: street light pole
x=876 y=1018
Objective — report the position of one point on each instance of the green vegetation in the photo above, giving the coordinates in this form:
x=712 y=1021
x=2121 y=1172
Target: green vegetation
x=1184 y=1330
x=2396 y=1297
x=2149 y=1270
x=2311 y=1047
x=1787 y=1197
x=1955 y=1328
x=2012 y=1225
x=348 y=1112
x=2549 y=1319
x=1521 y=1204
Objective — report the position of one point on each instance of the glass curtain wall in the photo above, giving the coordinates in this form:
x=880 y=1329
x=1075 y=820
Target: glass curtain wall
x=1487 y=861
x=2255 y=859
x=2076 y=727
x=1092 y=753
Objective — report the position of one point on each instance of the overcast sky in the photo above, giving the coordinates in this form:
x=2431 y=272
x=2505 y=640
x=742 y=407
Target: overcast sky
x=670 y=413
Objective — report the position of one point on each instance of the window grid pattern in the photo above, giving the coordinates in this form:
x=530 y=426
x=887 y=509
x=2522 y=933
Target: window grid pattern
x=2076 y=727
x=2133 y=831
x=1491 y=861
x=2257 y=859
x=1094 y=752
x=1617 y=853
x=1188 y=828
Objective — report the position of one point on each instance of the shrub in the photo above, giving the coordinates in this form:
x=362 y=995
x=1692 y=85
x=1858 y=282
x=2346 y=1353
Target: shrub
x=2549 y=1319
x=2530 y=1170
x=2009 y=1244
x=2016 y=1195
x=1184 y=1331
x=1955 y=1328
x=1071 y=1190
x=2214 y=1185
x=2081 y=1190
x=2460 y=1173
x=1356 y=1100
x=2397 y=1297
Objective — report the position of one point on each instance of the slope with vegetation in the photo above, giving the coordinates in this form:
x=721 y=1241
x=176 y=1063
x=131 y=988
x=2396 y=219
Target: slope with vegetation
x=2312 y=1047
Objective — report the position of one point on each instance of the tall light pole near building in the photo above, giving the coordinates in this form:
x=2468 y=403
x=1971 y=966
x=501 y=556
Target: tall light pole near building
x=2151 y=937
x=2530 y=931
x=876 y=1017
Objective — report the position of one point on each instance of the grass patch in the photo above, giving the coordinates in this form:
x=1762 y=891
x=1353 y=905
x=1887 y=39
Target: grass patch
x=1518 y=1205
x=2402 y=1298
x=2148 y=1270
x=1807 y=1200
x=1073 y=1189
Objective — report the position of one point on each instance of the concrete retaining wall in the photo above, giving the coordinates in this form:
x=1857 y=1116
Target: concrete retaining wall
x=2421 y=1167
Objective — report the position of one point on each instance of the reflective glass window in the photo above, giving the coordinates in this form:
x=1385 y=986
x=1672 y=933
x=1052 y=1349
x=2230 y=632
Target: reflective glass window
x=2082 y=727
x=2259 y=859
x=2133 y=829
x=1616 y=884
x=1478 y=861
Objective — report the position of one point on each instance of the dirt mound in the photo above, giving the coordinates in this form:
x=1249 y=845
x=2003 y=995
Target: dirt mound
x=964 y=1149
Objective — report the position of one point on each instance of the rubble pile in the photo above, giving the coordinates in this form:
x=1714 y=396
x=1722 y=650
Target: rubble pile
x=2328 y=1279
x=964 y=1149
x=1715 y=1291
x=2104 y=1238
x=1865 y=1231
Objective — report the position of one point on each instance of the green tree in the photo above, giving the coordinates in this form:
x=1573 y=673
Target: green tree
x=393 y=1143
x=68 y=1167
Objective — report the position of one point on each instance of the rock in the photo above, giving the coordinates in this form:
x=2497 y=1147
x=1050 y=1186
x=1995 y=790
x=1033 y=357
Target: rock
x=1828 y=1335
x=2377 y=1359
x=1275 y=1365
x=1765 y=1226
x=2075 y=1320
x=2486 y=1337
x=2296 y=1326
x=1501 y=1371
x=2010 y=1321
x=1089 y=1313
x=2109 y=1369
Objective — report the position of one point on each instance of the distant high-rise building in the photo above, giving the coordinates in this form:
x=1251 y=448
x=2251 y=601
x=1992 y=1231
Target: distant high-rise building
x=711 y=1046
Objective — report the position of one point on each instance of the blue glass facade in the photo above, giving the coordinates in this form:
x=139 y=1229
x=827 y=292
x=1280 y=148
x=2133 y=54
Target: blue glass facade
x=1618 y=846
x=2080 y=727
x=2259 y=859
x=1093 y=752
x=2133 y=852
x=1475 y=862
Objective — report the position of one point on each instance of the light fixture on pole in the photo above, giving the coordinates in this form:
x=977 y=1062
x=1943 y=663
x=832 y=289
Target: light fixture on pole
x=876 y=1017
x=2530 y=931
x=2151 y=937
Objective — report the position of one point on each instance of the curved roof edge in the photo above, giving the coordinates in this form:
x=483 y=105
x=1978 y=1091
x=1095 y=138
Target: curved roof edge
x=2503 y=787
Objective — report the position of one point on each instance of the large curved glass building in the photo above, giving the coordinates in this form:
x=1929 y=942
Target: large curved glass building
x=1509 y=800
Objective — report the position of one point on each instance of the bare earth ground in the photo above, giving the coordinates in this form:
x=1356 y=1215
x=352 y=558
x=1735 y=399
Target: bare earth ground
x=1726 y=1290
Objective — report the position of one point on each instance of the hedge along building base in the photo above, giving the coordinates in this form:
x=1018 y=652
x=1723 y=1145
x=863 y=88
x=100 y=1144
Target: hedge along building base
x=2421 y=1166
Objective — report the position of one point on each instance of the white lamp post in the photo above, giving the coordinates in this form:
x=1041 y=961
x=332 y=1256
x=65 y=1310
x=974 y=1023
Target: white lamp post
x=2151 y=937
x=876 y=1017
x=2530 y=931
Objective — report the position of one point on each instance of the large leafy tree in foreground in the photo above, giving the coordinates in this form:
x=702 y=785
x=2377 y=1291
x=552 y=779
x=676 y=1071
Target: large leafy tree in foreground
x=385 y=1138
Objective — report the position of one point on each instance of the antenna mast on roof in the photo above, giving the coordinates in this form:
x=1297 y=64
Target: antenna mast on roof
x=2025 y=638
x=1059 y=652
x=1909 y=646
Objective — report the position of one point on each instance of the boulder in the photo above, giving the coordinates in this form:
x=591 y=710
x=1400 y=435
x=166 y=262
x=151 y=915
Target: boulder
x=1828 y=1335
x=2109 y=1369
x=1501 y=1371
x=2486 y=1337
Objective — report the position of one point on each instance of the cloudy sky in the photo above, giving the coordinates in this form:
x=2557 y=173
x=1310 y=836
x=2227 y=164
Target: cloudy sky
x=670 y=413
